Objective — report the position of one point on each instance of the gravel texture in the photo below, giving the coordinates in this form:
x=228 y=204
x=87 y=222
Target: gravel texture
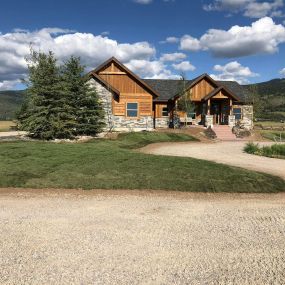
x=230 y=153
x=140 y=237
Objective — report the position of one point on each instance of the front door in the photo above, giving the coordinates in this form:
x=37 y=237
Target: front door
x=220 y=112
x=216 y=111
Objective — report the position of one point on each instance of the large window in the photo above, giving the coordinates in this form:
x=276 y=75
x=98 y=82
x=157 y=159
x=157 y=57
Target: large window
x=237 y=113
x=132 y=109
x=164 y=112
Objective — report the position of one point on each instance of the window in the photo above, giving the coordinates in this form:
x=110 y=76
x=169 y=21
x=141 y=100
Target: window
x=237 y=113
x=132 y=109
x=164 y=112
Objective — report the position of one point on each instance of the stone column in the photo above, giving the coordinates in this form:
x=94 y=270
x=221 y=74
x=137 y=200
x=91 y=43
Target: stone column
x=209 y=122
x=232 y=120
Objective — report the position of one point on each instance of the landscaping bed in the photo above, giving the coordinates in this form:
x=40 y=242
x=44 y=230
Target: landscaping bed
x=274 y=151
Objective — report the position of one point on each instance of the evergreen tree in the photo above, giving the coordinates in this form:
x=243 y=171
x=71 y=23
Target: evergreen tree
x=45 y=113
x=84 y=101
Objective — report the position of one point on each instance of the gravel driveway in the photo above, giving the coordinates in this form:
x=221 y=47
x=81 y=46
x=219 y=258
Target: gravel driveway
x=230 y=153
x=132 y=237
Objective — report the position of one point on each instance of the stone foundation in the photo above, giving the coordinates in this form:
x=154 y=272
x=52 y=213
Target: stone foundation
x=121 y=123
x=162 y=123
x=209 y=121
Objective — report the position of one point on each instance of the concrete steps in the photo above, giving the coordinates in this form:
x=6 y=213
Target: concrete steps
x=224 y=133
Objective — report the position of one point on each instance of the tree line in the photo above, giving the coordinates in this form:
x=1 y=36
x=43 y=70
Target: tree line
x=59 y=103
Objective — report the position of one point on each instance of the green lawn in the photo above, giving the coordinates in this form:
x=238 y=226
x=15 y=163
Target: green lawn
x=274 y=135
x=113 y=164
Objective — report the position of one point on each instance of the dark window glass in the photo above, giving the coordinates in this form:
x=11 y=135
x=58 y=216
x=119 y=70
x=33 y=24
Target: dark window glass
x=132 y=109
x=132 y=113
x=132 y=106
x=237 y=113
x=165 y=112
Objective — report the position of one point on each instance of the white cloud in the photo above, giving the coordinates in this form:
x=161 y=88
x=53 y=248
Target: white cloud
x=184 y=66
x=282 y=72
x=8 y=84
x=92 y=49
x=250 y=8
x=170 y=40
x=263 y=36
x=150 y=69
x=143 y=1
x=177 y=56
x=233 y=71
x=189 y=43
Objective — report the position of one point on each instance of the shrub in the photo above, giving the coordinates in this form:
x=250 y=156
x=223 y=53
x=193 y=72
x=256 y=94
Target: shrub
x=252 y=148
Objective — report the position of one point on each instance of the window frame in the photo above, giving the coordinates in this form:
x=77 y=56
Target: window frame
x=239 y=113
x=130 y=109
x=162 y=111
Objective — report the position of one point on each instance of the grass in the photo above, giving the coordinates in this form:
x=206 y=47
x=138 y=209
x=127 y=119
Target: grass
x=274 y=135
x=275 y=151
x=5 y=126
x=273 y=124
x=113 y=164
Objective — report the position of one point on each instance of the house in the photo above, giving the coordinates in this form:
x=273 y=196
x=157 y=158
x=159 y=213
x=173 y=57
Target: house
x=132 y=103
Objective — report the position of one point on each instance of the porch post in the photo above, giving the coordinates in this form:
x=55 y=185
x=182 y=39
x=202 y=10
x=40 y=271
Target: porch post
x=209 y=106
x=231 y=120
x=209 y=118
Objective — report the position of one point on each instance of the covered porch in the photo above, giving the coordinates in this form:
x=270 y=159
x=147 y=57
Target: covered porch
x=217 y=108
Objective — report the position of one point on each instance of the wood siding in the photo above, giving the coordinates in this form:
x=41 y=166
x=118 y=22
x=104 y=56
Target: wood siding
x=220 y=95
x=130 y=91
x=201 y=89
x=158 y=110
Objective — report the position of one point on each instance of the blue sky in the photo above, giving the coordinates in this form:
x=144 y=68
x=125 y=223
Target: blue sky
x=241 y=40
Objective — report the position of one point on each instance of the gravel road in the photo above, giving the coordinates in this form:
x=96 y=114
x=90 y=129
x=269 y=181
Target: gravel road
x=230 y=153
x=140 y=237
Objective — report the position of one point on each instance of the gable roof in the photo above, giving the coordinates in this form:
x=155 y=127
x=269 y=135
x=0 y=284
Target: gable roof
x=166 y=88
x=128 y=71
x=171 y=89
x=217 y=90
x=240 y=91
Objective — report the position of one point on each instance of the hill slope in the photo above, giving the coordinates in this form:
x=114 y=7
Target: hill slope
x=273 y=93
x=10 y=102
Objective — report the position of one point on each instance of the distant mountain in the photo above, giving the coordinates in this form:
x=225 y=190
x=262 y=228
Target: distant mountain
x=10 y=102
x=272 y=87
x=272 y=94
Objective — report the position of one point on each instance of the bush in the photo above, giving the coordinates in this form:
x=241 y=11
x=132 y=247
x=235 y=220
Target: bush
x=252 y=148
x=276 y=150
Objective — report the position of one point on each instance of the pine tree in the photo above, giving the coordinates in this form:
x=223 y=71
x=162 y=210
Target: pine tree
x=84 y=101
x=46 y=113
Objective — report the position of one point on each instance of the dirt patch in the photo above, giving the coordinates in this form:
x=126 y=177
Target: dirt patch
x=140 y=237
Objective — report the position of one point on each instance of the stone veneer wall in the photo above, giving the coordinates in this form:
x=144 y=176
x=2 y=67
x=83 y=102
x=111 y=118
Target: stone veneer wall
x=246 y=121
x=162 y=123
x=247 y=116
x=119 y=123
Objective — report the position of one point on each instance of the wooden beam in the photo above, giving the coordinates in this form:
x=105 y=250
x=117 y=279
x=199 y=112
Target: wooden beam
x=112 y=73
x=209 y=106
